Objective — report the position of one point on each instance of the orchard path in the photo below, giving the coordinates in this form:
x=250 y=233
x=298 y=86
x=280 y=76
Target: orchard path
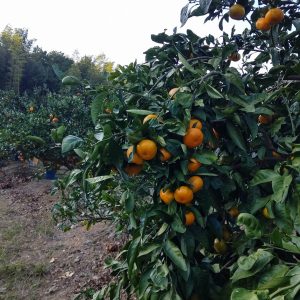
x=37 y=260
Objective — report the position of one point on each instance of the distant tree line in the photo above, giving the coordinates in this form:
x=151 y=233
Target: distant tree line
x=24 y=67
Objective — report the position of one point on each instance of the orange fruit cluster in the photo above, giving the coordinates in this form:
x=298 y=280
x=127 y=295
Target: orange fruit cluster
x=273 y=17
x=147 y=149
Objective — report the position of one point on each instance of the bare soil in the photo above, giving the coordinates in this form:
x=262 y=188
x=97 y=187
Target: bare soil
x=37 y=260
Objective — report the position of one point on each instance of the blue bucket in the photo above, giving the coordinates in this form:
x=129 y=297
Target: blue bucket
x=50 y=175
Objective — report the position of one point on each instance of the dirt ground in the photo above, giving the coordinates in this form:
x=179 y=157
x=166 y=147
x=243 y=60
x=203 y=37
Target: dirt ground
x=37 y=260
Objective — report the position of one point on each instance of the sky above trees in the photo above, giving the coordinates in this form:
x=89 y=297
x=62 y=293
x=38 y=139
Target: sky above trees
x=120 y=29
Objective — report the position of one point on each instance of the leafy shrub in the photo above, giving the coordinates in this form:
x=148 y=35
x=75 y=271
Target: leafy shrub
x=244 y=242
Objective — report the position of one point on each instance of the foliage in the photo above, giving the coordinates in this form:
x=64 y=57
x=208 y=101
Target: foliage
x=25 y=67
x=33 y=133
x=250 y=162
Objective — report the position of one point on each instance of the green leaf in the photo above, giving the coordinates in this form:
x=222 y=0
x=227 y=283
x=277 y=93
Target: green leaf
x=148 y=249
x=36 y=139
x=243 y=294
x=281 y=187
x=276 y=125
x=273 y=277
x=263 y=176
x=70 y=80
x=132 y=254
x=254 y=263
x=141 y=112
x=236 y=136
x=250 y=225
x=129 y=202
x=202 y=8
x=162 y=229
x=174 y=253
x=212 y=92
x=98 y=179
x=177 y=225
x=186 y=64
x=206 y=157
x=236 y=81
x=97 y=107
x=70 y=142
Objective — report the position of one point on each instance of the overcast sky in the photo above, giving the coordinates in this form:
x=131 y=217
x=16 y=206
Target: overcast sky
x=119 y=29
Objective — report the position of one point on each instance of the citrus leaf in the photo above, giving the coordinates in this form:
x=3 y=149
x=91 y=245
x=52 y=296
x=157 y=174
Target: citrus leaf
x=236 y=136
x=70 y=80
x=70 y=142
x=97 y=107
x=250 y=225
x=141 y=112
x=98 y=179
x=263 y=176
x=243 y=294
x=132 y=254
x=212 y=92
x=186 y=64
x=174 y=253
x=36 y=139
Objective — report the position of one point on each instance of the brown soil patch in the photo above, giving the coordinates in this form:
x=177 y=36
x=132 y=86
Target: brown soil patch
x=37 y=260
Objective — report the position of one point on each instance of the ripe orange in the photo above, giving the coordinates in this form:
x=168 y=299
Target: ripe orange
x=31 y=109
x=265 y=213
x=193 y=165
x=149 y=117
x=189 y=218
x=166 y=195
x=55 y=120
x=196 y=183
x=165 y=154
x=274 y=16
x=262 y=24
x=193 y=137
x=234 y=212
x=146 y=149
x=235 y=56
x=264 y=119
x=133 y=169
x=237 y=12
x=194 y=123
x=220 y=246
x=136 y=159
x=173 y=91
x=183 y=195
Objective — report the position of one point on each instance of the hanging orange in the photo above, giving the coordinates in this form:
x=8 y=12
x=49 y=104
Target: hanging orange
x=133 y=169
x=166 y=196
x=183 y=195
x=262 y=24
x=195 y=123
x=274 y=16
x=146 y=149
x=193 y=137
x=189 y=218
x=136 y=159
x=193 y=165
x=165 y=154
x=196 y=183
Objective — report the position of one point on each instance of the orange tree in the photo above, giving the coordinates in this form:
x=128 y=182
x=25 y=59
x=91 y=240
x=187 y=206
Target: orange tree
x=198 y=161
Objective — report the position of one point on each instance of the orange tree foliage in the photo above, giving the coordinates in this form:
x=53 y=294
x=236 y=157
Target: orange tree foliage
x=244 y=243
